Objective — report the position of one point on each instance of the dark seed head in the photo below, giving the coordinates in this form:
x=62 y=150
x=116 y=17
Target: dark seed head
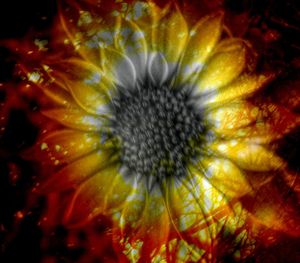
x=158 y=128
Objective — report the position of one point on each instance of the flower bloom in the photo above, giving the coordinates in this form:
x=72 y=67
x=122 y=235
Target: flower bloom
x=157 y=130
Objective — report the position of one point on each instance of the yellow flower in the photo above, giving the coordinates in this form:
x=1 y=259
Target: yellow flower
x=156 y=129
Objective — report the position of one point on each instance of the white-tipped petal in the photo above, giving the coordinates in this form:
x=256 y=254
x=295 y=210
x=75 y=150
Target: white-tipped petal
x=158 y=68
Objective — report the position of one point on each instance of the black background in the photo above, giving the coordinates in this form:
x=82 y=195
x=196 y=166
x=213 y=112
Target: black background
x=18 y=18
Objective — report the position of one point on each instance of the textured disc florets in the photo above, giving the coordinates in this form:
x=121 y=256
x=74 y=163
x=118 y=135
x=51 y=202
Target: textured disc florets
x=159 y=130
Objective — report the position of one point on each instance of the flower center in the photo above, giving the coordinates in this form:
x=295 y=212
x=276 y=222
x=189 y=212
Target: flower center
x=159 y=130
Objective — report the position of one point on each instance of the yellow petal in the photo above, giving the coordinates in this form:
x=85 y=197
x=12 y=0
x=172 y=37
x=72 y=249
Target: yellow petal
x=146 y=219
x=76 y=172
x=130 y=40
x=203 y=38
x=221 y=69
x=242 y=87
x=257 y=124
x=242 y=120
x=121 y=188
x=195 y=203
x=75 y=118
x=187 y=211
x=84 y=30
x=233 y=116
x=118 y=68
x=87 y=84
x=133 y=209
x=251 y=157
x=94 y=195
x=148 y=20
x=170 y=35
x=226 y=177
x=230 y=44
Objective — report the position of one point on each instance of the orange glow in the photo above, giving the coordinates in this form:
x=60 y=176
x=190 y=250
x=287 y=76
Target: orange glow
x=224 y=202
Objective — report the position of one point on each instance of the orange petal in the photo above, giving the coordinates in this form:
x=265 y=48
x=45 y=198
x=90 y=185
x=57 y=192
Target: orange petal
x=58 y=95
x=271 y=208
x=152 y=222
x=64 y=146
x=76 y=172
x=96 y=195
x=75 y=118
x=280 y=118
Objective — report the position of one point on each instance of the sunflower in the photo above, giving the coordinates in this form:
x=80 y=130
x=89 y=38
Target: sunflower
x=156 y=128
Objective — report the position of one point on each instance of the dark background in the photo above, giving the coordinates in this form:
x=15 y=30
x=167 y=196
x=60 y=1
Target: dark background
x=272 y=25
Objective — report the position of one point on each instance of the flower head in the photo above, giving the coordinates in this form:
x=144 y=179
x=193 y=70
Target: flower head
x=157 y=131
